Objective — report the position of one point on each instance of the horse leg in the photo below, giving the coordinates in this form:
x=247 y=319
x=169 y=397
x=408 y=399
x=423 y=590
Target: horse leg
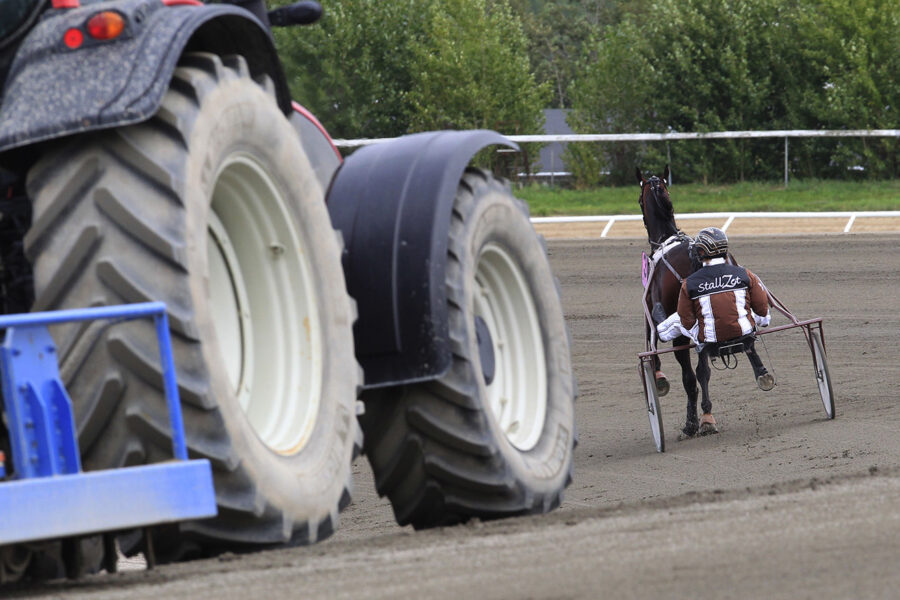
x=689 y=381
x=662 y=383
x=764 y=379
x=707 y=421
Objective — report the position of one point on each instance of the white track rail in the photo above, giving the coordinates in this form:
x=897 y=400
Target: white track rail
x=727 y=217
x=662 y=137
x=786 y=134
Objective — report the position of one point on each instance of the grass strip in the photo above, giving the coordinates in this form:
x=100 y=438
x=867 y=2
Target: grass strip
x=799 y=196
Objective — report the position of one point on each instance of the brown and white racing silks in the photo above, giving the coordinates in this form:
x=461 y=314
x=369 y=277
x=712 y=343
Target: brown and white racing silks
x=719 y=302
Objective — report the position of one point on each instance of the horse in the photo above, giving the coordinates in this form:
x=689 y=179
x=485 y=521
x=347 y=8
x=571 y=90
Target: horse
x=671 y=249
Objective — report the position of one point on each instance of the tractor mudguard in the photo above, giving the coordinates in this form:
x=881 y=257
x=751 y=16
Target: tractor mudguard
x=323 y=155
x=53 y=91
x=392 y=202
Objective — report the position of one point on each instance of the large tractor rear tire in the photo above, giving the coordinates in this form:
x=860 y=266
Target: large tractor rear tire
x=493 y=437
x=211 y=207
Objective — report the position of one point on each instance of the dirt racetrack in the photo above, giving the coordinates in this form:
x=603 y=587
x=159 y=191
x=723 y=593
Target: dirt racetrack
x=783 y=503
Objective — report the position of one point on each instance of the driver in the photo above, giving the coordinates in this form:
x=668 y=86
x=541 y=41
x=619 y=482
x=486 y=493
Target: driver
x=719 y=304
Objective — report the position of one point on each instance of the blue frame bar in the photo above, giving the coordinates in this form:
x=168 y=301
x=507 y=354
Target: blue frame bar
x=45 y=508
x=157 y=310
x=50 y=497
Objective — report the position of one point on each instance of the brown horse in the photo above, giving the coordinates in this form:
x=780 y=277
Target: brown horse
x=671 y=251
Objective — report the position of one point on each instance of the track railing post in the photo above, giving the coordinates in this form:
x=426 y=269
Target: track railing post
x=785 y=161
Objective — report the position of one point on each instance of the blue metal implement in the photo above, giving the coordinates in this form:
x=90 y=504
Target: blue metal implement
x=38 y=410
x=53 y=507
x=50 y=496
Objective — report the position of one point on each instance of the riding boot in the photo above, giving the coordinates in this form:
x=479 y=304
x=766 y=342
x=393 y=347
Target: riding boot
x=764 y=380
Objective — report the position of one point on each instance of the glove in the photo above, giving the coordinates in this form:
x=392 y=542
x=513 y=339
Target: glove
x=672 y=328
x=762 y=321
x=669 y=329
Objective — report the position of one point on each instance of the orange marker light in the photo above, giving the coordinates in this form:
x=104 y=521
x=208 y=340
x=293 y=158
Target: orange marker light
x=73 y=38
x=106 y=25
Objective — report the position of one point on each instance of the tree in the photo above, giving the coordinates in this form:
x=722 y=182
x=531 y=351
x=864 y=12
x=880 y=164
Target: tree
x=353 y=68
x=700 y=65
x=612 y=94
x=379 y=69
x=850 y=54
x=471 y=70
x=557 y=32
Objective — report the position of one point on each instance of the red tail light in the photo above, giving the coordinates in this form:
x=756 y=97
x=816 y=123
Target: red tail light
x=73 y=38
x=106 y=25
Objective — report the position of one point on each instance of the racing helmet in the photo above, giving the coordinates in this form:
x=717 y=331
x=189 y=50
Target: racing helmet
x=711 y=242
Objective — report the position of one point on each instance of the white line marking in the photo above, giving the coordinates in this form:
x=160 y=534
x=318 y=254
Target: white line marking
x=607 y=228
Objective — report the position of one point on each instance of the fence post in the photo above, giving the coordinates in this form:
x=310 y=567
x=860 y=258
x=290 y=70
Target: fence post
x=669 y=162
x=785 y=161
x=552 y=167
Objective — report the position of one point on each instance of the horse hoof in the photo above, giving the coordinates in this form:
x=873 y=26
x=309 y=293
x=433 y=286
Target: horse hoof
x=766 y=382
x=689 y=431
x=662 y=384
x=707 y=429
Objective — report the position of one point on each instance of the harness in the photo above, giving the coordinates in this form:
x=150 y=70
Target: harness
x=661 y=249
x=728 y=351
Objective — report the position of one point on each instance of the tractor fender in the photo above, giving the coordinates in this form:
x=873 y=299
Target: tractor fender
x=392 y=202
x=54 y=91
x=323 y=155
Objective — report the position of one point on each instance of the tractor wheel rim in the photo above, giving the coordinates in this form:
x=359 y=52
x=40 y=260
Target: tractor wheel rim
x=264 y=305
x=517 y=396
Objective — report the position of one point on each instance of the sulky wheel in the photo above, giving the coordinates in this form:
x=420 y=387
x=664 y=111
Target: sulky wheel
x=212 y=207
x=823 y=377
x=494 y=436
x=653 y=410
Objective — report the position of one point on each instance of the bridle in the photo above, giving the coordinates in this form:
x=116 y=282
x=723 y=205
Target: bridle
x=653 y=186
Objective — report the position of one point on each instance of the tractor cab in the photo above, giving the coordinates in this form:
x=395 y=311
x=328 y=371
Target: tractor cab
x=16 y=17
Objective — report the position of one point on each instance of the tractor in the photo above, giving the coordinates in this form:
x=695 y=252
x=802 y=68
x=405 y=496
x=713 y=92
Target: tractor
x=397 y=303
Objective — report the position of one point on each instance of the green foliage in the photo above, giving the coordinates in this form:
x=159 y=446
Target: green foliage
x=556 y=33
x=852 y=52
x=354 y=68
x=472 y=71
x=557 y=30
x=379 y=69
x=612 y=100
x=801 y=196
x=700 y=65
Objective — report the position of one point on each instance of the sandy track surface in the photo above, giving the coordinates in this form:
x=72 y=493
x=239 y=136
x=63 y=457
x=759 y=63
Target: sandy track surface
x=739 y=227
x=782 y=503
x=825 y=541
